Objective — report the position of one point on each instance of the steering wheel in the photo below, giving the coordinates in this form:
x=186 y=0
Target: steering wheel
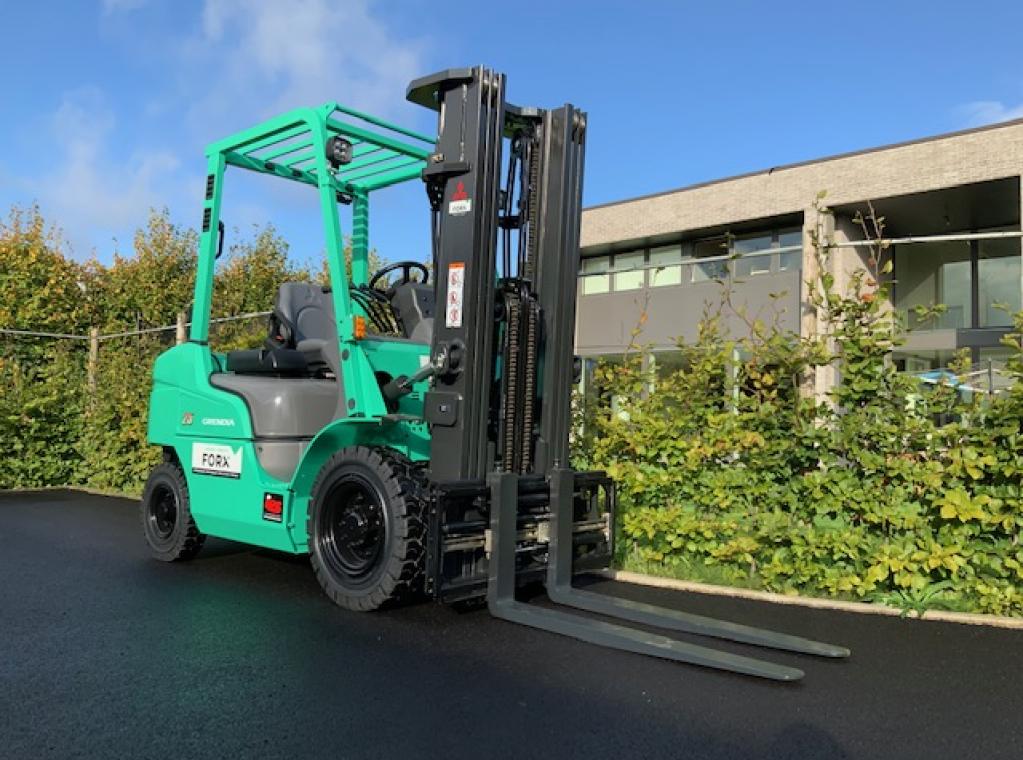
x=406 y=268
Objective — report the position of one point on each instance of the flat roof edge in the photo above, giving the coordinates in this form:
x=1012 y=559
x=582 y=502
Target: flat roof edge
x=811 y=162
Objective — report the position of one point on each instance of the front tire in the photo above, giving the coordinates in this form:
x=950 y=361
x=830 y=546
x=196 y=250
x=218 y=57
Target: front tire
x=366 y=530
x=166 y=515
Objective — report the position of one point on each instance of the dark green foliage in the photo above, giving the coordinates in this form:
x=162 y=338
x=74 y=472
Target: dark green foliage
x=54 y=428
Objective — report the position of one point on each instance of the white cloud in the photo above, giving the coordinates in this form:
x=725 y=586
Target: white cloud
x=261 y=57
x=236 y=62
x=93 y=187
x=982 y=112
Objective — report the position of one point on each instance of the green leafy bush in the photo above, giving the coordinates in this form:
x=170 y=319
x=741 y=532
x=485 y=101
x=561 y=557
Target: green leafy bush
x=56 y=429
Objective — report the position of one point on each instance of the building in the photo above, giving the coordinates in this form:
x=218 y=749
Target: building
x=666 y=253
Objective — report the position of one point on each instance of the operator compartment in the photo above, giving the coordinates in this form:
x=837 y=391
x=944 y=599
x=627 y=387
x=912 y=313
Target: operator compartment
x=290 y=387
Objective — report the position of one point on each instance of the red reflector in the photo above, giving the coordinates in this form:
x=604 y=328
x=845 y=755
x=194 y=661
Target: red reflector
x=273 y=506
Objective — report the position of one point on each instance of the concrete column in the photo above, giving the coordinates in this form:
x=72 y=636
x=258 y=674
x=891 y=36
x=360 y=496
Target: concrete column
x=846 y=261
x=820 y=227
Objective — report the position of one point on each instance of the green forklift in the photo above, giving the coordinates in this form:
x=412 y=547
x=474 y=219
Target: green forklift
x=408 y=429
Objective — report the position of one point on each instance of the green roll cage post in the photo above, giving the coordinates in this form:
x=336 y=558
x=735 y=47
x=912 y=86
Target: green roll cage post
x=293 y=146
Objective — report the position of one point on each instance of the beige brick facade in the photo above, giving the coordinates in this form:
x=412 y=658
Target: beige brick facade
x=974 y=156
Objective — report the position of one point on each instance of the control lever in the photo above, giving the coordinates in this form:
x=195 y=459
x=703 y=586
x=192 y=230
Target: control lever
x=448 y=361
x=402 y=385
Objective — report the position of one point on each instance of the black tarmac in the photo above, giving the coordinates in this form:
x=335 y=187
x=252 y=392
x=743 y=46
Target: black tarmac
x=105 y=653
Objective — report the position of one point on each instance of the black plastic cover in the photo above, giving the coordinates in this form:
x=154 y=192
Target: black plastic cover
x=277 y=361
x=425 y=90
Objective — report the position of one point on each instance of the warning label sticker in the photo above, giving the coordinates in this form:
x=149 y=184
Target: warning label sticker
x=216 y=459
x=456 y=287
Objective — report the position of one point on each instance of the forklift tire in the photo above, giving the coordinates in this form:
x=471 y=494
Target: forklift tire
x=367 y=537
x=167 y=521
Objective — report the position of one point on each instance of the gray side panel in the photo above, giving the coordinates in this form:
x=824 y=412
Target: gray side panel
x=280 y=458
x=284 y=407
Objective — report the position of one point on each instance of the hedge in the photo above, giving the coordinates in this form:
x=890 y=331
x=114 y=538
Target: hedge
x=884 y=490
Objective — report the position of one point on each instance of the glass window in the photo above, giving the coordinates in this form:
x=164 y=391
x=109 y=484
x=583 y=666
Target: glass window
x=790 y=260
x=629 y=273
x=790 y=238
x=710 y=270
x=1000 y=281
x=746 y=247
x=710 y=247
x=751 y=243
x=666 y=266
x=928 y=274
x=917 y=362
x=595 y=279
x=992 y=369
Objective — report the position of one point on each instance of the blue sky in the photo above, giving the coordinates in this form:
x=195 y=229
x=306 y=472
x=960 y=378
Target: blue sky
x=108 y=105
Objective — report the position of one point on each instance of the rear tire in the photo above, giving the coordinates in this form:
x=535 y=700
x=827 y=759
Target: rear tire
x=366 y=532
x=166 y=515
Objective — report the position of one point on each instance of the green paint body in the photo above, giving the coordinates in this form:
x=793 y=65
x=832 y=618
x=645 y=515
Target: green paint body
x=188 y=414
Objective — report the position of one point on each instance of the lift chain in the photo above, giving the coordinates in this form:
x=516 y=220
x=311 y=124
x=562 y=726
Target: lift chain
x=529 y=385
x=532 y=209
x=510 y=371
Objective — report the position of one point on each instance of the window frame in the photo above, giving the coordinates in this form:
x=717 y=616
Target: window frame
x=689 y=264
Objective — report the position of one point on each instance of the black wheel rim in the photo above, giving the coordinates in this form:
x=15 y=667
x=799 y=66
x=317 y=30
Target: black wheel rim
x=352 y=531
x=163 y=512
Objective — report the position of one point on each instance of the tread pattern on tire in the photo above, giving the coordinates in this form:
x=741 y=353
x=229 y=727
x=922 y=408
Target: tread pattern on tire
x=191 y=540
x=405 y=487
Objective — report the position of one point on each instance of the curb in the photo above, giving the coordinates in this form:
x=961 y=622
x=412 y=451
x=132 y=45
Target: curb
x=862 y=608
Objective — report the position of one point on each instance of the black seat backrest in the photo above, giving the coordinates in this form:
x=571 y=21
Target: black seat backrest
x=306 y=312
x=414 y=303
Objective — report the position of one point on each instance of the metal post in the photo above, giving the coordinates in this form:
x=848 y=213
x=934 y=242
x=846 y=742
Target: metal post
x=93 y=358
x=181 y=332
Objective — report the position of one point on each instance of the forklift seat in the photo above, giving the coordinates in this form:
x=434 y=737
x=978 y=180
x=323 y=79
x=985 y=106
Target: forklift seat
x=303 y=320
x=414 y=302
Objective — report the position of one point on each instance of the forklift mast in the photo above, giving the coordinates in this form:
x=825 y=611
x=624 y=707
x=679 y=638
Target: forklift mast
x=506 y=505
x=504 y=184
x=504 y=335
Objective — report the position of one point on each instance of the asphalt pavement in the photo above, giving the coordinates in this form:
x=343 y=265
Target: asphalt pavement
x=105 y=653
